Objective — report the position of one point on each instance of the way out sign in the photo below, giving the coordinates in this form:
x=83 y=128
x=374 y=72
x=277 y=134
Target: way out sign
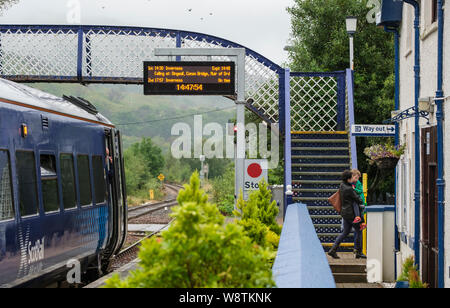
x=255 y=171
x=363 y=130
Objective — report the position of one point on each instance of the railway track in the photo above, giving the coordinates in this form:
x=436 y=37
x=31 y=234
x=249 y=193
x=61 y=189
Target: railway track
x=144 y=212
x=133 y=249
x=149 y=208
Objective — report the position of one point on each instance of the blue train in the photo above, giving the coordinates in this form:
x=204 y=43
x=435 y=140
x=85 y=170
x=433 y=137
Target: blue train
x=62 y=187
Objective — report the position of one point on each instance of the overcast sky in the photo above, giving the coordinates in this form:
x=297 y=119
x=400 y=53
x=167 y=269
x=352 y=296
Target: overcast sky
x=261 y=25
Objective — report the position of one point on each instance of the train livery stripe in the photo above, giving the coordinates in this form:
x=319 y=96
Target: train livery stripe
x=54 y=112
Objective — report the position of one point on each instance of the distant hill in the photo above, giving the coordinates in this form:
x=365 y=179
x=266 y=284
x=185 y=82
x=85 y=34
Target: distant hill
x=147 y=116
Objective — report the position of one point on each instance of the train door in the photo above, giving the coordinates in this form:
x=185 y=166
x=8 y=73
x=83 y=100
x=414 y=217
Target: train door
x=429 y=240
x=110 y=187
x=119 y=171
x=116 y=193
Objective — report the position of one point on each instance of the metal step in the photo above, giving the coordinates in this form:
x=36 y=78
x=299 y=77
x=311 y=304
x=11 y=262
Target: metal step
x=320 y=140
x=312 y=207
x=325 y=182
x=325 y=216
x=322 y=165
x=310 y=199
x=333 y=234
x=304 y=190
x=328 y=226
x=318 y=173
x=319 y=149
x=320 y=157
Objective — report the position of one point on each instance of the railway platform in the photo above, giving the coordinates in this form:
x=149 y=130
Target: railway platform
x=123 y=272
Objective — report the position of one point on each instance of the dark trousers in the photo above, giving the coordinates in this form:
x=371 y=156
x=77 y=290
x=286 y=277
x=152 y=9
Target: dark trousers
x=347 y=228
x=358 y=211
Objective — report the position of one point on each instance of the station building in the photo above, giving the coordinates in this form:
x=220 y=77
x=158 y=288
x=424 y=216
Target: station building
x=422 y=176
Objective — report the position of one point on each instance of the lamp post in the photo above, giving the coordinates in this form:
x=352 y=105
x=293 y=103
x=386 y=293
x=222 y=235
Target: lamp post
x=202 y=174
x=351 y=24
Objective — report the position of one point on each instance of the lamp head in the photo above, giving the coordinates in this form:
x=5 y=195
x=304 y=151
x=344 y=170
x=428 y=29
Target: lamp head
x=351 y=24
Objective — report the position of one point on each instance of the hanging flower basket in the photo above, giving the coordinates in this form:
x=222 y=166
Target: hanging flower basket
x=386 y=163
x=385 y=156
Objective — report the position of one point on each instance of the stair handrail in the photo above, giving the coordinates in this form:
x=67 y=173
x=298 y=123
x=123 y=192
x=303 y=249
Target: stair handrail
x=351 y=116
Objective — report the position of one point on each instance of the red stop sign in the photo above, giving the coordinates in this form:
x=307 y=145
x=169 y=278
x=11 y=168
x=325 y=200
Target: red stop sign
x=254 y=170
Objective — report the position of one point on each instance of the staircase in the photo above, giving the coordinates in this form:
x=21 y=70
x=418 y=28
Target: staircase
x=318 y=160
x=347 y=269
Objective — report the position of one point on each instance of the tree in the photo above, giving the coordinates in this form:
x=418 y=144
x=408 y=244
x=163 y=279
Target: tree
x=321 y=44
x=143 y=163
x=6 y=4
x=151 y=154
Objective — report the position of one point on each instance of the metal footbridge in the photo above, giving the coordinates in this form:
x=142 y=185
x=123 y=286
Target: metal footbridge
x=314 y=110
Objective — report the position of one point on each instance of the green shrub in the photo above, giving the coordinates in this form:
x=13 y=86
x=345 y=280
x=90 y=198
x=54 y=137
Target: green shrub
x=411 y=274
x=192 y=192
x=273 y=239
x=259 y=207
x=407 y=266
x=199 y=250
x=258 y=217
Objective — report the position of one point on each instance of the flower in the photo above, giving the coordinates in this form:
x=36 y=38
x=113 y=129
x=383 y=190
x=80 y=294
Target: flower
x=379 y=151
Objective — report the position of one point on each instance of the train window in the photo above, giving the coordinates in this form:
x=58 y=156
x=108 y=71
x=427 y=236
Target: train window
x=26 y=174
x=49 y=180
x=84 y=180
x=99 y=179
x=6 y=196
x=68 y=181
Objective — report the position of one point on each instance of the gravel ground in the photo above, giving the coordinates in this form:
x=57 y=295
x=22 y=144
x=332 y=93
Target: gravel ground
x=158 y=217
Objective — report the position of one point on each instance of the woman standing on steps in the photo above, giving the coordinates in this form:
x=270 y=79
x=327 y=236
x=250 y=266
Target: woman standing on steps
x=348 y=197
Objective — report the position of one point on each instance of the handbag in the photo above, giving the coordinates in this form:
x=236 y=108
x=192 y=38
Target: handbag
x=335 y=201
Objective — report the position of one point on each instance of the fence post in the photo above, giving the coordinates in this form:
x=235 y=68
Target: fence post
x=80 y=55
x=341 y=102
x=285 y=126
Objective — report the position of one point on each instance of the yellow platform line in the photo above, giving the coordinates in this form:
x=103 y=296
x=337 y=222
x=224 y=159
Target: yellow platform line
x=319 y=133
x=342 y=244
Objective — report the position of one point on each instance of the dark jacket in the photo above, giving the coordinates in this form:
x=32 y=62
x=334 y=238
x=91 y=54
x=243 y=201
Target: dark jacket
x=348 y=196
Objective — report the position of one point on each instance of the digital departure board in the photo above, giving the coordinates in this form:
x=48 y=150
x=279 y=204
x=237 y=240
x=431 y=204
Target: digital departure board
x=189 y=78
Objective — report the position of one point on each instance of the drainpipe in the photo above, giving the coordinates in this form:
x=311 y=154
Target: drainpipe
x=416 y=6
x=397 y=133
x=440 y=135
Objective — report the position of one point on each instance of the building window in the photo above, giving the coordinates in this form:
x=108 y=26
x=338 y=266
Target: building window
x=434 y=11
x=26 y=175
x=84 y=180
x=99 y=179
x=49 y=181
x=68 y=181
x=6 y=195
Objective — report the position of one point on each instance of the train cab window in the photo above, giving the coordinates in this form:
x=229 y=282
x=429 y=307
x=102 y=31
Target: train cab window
x=84 y=180
x=6 y=196
x=26 y=175
x=99 y=179
x=49 y=180
x=68 y=181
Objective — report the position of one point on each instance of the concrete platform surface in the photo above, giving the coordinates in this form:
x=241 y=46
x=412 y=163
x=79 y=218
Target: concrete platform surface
x=146 y=228
x=123 y=273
